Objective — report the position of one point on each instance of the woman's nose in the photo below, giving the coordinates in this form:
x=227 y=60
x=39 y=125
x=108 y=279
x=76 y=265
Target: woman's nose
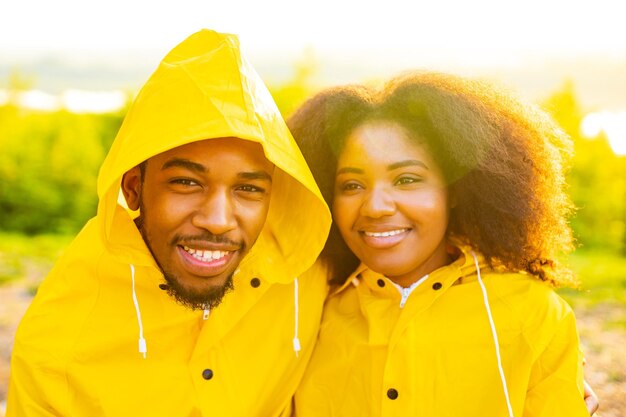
x=378 y=203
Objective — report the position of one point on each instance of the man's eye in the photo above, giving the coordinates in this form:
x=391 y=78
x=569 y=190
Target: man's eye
x=250 y=188
x=252 y=192
x=184 y=182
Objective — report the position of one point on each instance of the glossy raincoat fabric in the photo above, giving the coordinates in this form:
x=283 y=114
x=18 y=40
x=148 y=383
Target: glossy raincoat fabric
x=76 y=350
x=436 y=356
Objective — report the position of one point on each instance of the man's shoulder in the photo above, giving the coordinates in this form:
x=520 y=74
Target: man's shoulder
x=63 y=298
x=316 y=275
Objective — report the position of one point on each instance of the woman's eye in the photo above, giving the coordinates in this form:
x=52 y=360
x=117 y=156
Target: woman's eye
x=407 y=180
x=350 y=186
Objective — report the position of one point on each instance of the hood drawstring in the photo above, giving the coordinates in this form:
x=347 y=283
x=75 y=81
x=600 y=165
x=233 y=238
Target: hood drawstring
x=296 y=340
x=495 y=336
x=143 y=348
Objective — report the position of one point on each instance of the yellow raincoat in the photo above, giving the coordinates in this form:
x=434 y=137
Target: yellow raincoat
x=432 y=352
x=76 y=352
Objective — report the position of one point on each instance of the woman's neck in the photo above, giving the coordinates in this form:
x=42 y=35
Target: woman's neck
x=441 y=257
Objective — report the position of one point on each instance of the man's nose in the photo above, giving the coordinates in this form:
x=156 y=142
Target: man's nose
x=216 y=213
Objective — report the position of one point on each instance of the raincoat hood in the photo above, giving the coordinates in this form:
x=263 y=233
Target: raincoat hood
x=205 y=89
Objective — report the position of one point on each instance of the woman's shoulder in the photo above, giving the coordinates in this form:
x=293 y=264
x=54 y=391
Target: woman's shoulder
x=535 y=303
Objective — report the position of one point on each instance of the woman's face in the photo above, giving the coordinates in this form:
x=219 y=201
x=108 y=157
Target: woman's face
x=391 y=202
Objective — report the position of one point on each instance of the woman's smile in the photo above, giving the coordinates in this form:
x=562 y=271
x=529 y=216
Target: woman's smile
x=382 y=239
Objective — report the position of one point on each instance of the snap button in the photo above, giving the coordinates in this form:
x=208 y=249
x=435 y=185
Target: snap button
x=437 y=286
x=392 y=393
x=381 y=282
x=255 y=282
x=163 y=286
x=207 y=374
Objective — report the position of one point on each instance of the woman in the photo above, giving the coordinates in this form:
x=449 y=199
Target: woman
x=450 y=213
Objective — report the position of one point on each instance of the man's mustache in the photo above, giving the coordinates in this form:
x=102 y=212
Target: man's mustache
x=206 y=237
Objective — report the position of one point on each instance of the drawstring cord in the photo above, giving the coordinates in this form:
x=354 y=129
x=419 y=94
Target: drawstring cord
x=495 y=337
x=296 y=340
x=143 y=348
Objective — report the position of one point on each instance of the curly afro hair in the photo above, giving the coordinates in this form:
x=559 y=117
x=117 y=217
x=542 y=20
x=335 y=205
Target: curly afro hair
x=504 y=161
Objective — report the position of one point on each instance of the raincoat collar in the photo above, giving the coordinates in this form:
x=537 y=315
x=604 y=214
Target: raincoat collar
x=462 y=268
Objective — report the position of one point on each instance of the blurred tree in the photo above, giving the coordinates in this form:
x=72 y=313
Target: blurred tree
x=291 y=94
x=48 y=168
x=597 y=183
x=16 y=83
x=49 y=164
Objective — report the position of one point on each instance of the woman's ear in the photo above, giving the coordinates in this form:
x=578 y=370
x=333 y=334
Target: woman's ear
x=131 y=187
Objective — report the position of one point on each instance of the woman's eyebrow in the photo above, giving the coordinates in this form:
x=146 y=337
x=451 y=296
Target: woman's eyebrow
x=349 y=170
x=408 y=162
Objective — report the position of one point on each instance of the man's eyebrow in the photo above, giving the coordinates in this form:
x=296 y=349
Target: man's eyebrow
x=349 y=170
x=255 y=175
x=194 y=166
x=408 y=162
x=184 y=163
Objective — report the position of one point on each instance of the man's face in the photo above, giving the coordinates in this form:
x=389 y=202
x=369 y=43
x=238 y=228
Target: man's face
x=202 y=207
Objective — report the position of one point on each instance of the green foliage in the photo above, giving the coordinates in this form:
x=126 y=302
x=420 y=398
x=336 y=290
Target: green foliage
x=597 y=181
x=49 y=164
x=29 y=257
x=48 y=168
x=291 y=94
x=602 y=276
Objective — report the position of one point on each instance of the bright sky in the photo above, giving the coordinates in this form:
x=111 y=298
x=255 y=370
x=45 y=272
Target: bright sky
x=450 y=26
x=469 y=33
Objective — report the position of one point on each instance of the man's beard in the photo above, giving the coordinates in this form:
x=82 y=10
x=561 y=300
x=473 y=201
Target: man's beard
x=208 y=298
x=195 y=299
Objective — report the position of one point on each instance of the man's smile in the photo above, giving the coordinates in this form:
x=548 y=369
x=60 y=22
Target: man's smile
x=206 y=255
x=205 y=263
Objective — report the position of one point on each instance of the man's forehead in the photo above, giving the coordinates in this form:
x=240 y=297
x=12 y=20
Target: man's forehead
x=200 y=155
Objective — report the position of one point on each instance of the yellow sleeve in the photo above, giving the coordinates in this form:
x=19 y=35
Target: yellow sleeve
x=556 y=382
x=37 y=387
x=288 y=411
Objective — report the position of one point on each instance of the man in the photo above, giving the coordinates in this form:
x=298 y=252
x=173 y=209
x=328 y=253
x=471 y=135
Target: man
x=181 y=297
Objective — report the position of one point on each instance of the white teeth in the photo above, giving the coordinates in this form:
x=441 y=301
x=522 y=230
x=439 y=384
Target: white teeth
x=385 y=234
x=206 y=255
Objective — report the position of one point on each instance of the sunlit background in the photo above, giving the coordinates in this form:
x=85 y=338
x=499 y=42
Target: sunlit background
x=86 y=56
x=69 y=68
